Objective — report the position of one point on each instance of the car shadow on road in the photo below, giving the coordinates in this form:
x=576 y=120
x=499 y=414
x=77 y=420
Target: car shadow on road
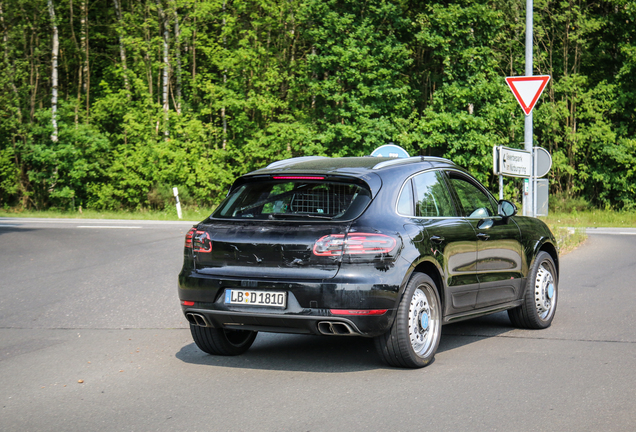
x=466 y=332
x=11 y=229
x=307 y=353
x=301 y=353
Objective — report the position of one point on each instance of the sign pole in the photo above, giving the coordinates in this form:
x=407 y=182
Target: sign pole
x=528 y=207
x=496 y=150
x=536 y=183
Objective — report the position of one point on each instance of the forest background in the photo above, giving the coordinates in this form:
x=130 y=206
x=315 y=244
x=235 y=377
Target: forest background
x=108 y=104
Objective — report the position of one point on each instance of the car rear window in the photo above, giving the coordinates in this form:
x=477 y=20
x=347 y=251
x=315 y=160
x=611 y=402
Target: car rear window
x=295 y=199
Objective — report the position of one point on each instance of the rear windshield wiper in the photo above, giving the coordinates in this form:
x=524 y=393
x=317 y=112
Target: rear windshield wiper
x=293 y=215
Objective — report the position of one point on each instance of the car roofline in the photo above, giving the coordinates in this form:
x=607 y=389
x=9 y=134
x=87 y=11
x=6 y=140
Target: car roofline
x=291 y=164
x=413 y=159
x=291 y=161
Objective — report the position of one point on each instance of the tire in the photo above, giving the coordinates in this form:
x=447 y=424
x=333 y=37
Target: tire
x=414 y=335
x=540 y=297
x=221 y=341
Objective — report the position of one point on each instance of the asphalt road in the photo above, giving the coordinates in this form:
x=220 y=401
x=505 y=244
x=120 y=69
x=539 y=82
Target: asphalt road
x=96 y=301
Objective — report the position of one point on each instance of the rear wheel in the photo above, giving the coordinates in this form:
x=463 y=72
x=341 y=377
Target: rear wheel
x=414 y=336
x=540 y=299
x=221 y=341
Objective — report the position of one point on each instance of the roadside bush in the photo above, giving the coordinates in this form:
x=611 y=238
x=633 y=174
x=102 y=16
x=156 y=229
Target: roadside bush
x=564 y=203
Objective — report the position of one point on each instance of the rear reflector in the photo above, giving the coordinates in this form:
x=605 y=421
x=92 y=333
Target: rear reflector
x=298 y=178
x=187 y=303
x=358 y=311
x=356 y=243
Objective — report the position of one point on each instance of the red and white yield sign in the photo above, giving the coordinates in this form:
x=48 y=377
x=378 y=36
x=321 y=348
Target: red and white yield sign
x=527 y=89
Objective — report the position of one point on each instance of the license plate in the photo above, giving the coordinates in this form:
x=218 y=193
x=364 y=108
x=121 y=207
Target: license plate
x=256 y=298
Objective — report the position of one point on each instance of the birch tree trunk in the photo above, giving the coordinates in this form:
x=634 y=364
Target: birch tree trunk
x=314 y=77
x=56 y=50
x=146 y=50
x=166 y=69
x=5 y=35
x=8 y=65
x=177 y=36
x=34 y=74
x=79 y=70
x=122 y=49
x=194 y=48
x=86 y=68
x=224 y=81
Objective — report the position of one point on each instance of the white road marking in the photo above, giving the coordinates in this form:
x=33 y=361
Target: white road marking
x=109 y=226
x=610 y=232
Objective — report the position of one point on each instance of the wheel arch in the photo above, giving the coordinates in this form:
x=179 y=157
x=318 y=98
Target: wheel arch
x=431 y=269
x=552 y=251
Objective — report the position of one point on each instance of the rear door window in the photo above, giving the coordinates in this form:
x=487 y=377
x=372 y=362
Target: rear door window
x=431 y=196
x=295 y=199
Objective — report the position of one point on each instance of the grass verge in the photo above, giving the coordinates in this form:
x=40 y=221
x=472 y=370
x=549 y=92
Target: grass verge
x=592 y=218
x=569 y=227
x=170 y=214
x=568 y=238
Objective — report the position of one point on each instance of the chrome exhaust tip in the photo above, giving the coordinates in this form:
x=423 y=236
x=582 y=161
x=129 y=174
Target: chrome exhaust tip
x=341 y=329
x=335 y=328
x=197 y=319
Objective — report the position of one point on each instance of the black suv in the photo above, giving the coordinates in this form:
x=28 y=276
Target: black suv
x=377 y=247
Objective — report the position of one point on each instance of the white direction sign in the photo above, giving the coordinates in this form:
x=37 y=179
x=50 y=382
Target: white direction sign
x=514 y=162
x=527 y=90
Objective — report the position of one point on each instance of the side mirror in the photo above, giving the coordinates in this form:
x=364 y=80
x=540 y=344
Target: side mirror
x=506 y=209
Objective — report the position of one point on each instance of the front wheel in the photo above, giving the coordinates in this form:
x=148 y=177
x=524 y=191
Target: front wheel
x=540 y=298
x=221 y=341
x=414 y=336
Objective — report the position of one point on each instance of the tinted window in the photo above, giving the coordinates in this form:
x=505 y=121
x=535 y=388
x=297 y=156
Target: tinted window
x=474 y=201
x=431 y=196
x=294 y=199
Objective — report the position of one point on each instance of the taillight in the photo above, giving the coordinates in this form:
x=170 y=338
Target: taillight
x=355 y=243
x=188 y=240
x=198 y=241
x=201 y=242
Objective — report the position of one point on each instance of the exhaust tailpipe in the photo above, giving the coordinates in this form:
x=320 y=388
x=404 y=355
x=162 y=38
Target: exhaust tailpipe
x=197 y=319
x=335 y=328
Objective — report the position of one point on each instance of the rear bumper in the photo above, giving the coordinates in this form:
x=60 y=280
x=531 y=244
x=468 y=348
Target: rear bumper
x=302 y=324
x=308 y=308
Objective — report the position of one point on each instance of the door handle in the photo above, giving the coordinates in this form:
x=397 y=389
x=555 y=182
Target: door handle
x=437 y=239
x=483 y=236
